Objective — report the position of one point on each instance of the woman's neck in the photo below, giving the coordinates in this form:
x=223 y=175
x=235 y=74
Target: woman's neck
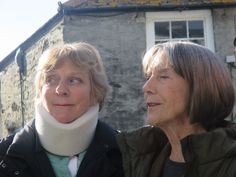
x=65 y=139
x=177 y=131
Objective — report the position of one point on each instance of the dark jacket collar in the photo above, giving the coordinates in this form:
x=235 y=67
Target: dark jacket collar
x=210 y=146
x=144 y=140
x=25 y=142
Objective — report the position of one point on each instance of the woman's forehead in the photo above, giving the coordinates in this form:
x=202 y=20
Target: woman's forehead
x=61 y=62
x=160 y=61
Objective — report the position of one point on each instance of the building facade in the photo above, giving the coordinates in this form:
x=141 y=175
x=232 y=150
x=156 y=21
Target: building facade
x=122 y=31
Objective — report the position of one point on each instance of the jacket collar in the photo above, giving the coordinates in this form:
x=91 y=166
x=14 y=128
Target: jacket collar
x=144 y=140
x=104 y=138
x=210 y=146
x=25 y=141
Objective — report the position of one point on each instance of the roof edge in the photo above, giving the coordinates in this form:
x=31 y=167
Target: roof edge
x=142 y=8
x=32 y=39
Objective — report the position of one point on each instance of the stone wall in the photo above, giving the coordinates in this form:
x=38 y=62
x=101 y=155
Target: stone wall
x=13 y=113
x=224 y=24
x=121 y=40
x=10 y=98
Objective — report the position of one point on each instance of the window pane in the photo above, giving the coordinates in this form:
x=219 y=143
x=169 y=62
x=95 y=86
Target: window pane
x=179 y=29
x=162 y=30
x=198 y=41
x=196 y=29
x=159 y=42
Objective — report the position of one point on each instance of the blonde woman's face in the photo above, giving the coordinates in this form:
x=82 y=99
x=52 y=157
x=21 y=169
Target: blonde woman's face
x=66 y=91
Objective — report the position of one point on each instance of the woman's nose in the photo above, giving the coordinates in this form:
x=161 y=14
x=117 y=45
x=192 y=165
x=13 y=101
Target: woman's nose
x=147 y=87
x=62 y=89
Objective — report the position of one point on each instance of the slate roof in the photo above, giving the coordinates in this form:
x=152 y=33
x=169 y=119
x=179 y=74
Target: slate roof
x=163 y=3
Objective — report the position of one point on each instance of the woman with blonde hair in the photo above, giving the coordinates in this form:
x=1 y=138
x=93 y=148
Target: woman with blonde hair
x=65 y=138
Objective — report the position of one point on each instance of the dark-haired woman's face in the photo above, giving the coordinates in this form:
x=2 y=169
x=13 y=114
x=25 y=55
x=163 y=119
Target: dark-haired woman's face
x=166 y=94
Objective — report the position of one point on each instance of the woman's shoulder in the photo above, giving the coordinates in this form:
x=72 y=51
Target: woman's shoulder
x=5 y=143
x=141 y=140
x=19 y=142
x=105 y=135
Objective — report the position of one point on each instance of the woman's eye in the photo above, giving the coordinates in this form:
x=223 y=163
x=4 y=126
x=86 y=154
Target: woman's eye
x=74 y=81
x=147 y=77
x=51 y=80
x=164 y=76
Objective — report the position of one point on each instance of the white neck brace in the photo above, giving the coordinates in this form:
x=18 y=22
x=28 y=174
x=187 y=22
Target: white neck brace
x=65 y=139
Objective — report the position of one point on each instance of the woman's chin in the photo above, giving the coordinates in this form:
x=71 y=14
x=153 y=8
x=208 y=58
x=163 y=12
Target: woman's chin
x=151 y=121
x=65 y=120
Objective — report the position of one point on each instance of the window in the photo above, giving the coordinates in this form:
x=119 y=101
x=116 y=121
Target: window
x=195 y=26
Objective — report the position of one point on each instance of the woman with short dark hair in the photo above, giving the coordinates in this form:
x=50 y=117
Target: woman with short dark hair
x=189 y=94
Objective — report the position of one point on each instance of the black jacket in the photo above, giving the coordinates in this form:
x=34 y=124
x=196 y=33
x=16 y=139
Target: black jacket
x=22 y=155
x=209 y=154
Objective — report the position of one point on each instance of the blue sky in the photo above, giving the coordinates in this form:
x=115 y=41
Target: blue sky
x=19 y=19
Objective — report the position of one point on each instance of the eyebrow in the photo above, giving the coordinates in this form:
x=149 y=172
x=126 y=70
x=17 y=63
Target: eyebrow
x=162 y=70
x=72 y=73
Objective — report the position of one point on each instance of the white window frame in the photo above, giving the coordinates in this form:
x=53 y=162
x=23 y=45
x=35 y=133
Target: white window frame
x=205 y=15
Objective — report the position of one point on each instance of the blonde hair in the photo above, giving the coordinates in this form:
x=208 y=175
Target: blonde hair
x=81 y=54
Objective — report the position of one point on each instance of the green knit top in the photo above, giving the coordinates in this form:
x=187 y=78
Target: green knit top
x=60 y=164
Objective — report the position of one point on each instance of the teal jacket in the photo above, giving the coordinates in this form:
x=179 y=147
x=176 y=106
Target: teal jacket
x=211 y=154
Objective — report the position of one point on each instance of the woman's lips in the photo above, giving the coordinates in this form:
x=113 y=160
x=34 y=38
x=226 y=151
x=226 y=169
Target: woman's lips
x=153 y=104
x=62 y=104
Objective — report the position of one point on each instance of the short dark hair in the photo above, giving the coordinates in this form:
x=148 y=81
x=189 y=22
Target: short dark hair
x=210 y=84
